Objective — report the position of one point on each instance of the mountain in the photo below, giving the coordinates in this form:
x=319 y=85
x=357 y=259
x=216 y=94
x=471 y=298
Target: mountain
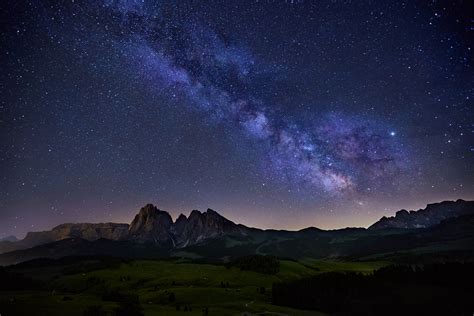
x=432 y=215
x=151 y=225
x=9 y=238
x=446 y=227
x=452 y=238
x=156 y=226
x=201 y=226
x=85 y=231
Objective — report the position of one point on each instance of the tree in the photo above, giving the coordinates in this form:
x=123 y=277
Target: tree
x=129 y=306
x=93 y=310
x=171 y=297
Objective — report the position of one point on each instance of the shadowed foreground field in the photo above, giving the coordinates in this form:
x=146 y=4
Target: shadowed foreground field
x=96 y=287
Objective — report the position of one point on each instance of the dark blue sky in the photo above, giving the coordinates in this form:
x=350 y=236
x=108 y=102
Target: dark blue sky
x=281 y=114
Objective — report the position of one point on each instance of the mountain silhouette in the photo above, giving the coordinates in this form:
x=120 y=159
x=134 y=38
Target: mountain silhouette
x=208 y=234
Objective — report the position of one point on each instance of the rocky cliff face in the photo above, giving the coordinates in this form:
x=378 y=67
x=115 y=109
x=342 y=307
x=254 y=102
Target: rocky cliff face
x=200 y=226
x=85 y=231
x=154 y=225
x=432 y=215
x=151 y=225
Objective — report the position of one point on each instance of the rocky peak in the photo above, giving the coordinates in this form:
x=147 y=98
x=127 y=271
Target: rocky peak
x=154 y=225
x=210 y=213
x=179 y=225
x=201 y=226
x=195 y=214
x=151 y=225
x=217 y=221
x=181 y=218
x=402 y=213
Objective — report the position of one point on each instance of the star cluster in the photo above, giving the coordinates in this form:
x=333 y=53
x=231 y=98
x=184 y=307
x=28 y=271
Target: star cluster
x=277 y=113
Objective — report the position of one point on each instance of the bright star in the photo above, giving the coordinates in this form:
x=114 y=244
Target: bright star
x=392 y=134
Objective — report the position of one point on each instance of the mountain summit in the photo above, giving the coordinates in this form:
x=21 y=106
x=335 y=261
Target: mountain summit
x=151 y=225
x=154 y=225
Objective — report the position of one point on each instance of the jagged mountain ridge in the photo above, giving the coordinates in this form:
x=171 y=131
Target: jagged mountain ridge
x=451 y=238
x=150 y=225
x=154 y=226
x=430 y=216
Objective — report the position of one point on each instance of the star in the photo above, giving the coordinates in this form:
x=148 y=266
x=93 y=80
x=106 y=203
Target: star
x=135 y=101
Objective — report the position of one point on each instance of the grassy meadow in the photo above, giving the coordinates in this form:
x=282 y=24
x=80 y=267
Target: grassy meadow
x=162 y=287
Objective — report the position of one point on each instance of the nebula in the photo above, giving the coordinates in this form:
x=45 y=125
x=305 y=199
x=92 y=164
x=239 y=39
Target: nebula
x=334 y=157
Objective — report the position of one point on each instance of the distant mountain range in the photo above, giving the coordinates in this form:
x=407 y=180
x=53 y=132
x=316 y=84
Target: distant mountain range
x=9 y=238
x=446 y=226
x=432 y=215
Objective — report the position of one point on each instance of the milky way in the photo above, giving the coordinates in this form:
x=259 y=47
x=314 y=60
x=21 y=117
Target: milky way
x=279 y=114
x=334 y=157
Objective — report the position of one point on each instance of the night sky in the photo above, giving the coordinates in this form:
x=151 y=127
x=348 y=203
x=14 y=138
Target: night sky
x=277 y=114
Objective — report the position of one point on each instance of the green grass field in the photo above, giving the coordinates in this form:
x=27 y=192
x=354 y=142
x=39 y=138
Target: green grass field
x=223 y=290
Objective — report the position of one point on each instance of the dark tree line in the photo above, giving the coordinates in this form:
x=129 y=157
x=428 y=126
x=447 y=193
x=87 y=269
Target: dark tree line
x=436 y=289
x=129 y=303
x=257 y=263
x=17 y=281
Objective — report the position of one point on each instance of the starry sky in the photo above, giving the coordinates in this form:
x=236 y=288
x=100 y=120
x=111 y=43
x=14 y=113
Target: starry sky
x=278 y=114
